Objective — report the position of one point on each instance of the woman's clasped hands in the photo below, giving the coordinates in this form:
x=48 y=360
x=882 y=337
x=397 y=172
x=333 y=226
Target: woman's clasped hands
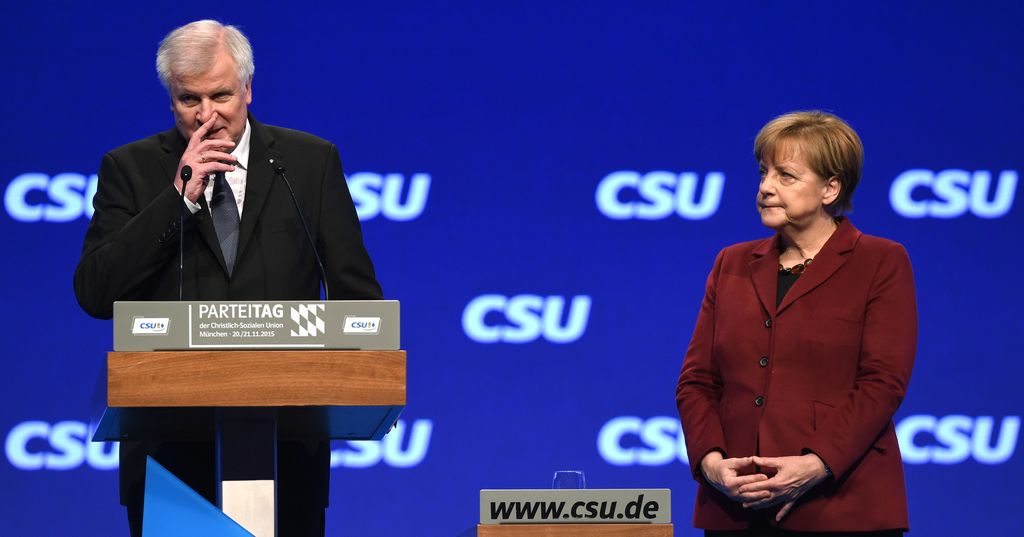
x=781 y=480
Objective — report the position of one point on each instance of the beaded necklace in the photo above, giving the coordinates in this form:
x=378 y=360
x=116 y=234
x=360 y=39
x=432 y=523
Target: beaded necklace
x=797 y=268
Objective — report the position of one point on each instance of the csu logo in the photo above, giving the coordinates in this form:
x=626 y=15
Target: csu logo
x=923 y=439
x=37 y=445
x=361 y=325
x=653 y=442
x=656 y=195
x=376 y=194
x=951 y=193
x=954 y=439
x=150 y=325
x=37 y=197
x=364 y=454
x=525 y=318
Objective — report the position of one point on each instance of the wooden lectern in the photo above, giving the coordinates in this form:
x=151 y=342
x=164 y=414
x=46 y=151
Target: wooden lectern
x=245 y=400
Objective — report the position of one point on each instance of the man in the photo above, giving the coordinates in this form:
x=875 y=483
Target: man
x=260 y=253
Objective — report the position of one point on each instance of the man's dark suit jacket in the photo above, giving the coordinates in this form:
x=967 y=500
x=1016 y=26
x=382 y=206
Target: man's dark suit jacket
x=824 y=372
x=131 y=246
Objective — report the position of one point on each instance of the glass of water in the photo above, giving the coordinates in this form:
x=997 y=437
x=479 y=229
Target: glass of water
x=569 y=479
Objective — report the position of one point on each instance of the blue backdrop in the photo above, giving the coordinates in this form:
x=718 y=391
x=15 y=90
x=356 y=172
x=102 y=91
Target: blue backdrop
x=544 y=186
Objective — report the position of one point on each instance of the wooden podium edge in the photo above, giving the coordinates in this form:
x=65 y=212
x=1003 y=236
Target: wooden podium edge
x=256 y=378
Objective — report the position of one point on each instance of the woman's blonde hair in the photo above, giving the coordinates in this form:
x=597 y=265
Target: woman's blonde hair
x=830 y=147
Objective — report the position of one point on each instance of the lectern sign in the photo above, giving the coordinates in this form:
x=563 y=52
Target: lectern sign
x=576 y=506
x=339 y=324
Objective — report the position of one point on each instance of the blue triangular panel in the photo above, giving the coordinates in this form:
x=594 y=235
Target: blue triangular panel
x=172 y=509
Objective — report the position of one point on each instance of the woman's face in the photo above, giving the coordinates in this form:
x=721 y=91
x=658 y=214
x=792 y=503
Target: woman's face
x=791 y=193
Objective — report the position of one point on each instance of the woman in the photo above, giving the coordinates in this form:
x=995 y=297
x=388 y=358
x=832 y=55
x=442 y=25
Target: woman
x=801 y=355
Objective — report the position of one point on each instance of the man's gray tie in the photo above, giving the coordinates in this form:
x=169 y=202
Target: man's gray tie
x=225 y=219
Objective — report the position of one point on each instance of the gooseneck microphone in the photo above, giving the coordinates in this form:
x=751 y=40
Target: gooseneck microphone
x=186 y=174
x=278 y=167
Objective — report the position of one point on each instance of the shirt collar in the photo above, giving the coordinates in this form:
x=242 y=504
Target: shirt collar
x=241 y=151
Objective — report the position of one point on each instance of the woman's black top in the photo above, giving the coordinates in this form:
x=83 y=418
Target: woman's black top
x=786 y=280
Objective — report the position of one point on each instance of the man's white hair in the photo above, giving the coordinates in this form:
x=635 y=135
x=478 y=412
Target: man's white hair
x=191 y=49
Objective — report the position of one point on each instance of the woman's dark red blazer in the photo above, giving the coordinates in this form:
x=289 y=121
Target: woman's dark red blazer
x=824 y=373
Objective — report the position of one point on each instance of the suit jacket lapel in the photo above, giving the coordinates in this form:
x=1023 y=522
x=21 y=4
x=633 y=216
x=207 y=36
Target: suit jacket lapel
x=764 y=269
x=826 y=263
x=258 y=180
x=174 y=146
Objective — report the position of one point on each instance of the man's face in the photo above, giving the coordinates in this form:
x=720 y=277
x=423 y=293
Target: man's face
x=195 y=99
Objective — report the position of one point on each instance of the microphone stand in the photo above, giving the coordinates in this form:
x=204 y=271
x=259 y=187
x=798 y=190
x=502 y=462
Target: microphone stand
x=279 y=170
x=186 y=174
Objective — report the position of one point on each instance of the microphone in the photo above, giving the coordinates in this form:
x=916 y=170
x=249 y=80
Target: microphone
x=186 y=174
x=278 y=166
